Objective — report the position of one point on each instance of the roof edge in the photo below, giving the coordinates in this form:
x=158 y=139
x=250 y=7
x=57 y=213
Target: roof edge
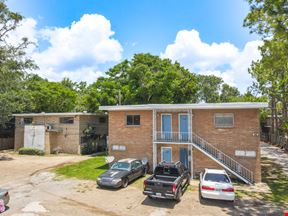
x=236 y=105
x=56 y=114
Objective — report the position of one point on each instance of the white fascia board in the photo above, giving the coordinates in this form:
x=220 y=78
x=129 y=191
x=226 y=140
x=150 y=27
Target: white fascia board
x=55 y=114
x=242 y=105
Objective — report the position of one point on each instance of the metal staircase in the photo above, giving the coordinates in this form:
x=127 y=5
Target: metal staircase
x=222 y=159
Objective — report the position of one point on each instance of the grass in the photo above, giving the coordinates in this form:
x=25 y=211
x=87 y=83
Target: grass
x=277 y=181
x=89 y=169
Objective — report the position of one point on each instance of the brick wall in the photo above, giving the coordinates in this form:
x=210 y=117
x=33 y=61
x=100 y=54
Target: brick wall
x=67 y=140
x=137 y=139
x=243 y=136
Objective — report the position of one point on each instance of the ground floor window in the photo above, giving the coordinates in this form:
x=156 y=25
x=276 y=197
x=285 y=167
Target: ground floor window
x=166 y=154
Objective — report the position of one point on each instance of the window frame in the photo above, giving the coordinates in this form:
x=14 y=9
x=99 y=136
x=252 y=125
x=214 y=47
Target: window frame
x=66 y=122
x=27 y=123
x=223 y=115
x=133 y=120
x=101 y=118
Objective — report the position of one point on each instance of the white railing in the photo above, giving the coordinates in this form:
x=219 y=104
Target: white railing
x=224 y=159
x=181 y=137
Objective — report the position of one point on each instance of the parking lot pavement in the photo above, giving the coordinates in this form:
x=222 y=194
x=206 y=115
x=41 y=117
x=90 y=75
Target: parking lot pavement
x=41 y=193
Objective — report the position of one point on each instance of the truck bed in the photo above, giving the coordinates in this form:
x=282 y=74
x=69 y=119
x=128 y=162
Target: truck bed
x=162 y=178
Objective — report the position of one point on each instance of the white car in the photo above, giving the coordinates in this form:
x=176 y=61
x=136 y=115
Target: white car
x=216 y=184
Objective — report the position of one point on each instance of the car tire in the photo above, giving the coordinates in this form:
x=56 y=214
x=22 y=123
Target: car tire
x=150 y=197
x=188 y=180
x=179 y=195
x=125 y=183
x=144 y=172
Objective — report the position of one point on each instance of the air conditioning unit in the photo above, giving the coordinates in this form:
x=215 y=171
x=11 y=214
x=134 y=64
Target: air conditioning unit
x=49 y=127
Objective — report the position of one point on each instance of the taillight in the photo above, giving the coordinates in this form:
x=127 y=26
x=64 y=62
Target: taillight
x=228 y=190
x=174 y=188
x=6 y=194
x=204 y=187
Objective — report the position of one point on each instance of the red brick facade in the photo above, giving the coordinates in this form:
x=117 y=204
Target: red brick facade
x=243 y=136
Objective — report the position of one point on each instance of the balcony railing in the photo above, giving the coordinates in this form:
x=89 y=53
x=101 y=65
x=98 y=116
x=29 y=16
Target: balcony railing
x=180 y=137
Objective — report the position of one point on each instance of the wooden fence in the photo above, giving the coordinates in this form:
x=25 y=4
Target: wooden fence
x=274 y=139
x=6 y=143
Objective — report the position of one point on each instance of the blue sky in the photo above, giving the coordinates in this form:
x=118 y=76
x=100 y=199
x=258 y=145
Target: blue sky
x=151 y=26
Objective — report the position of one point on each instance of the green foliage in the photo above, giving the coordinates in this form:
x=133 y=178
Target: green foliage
x=209 y=88
x=269 y=19
x=13 y=65
x=89 y=169
x=49 y=96
x=228 y=93
x=144 y=79
x=30 y=151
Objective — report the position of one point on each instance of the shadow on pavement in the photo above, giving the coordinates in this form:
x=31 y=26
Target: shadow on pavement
x=5 y=158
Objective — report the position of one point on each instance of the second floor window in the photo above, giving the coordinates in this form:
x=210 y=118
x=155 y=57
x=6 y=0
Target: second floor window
x=133 y=120
x=224 y=120
x=66 y=120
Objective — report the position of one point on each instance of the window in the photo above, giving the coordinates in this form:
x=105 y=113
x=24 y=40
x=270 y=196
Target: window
x=28 y=121
x=133 y=119
x=224 y=120
x=66 y=120
x=102 y=120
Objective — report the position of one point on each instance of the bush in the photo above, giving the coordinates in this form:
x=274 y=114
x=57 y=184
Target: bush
x=30 y=151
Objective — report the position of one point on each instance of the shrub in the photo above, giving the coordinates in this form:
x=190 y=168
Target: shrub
x=30 y=151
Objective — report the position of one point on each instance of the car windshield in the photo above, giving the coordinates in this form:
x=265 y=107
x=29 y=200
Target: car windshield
x=121 y=166
x=215 y=177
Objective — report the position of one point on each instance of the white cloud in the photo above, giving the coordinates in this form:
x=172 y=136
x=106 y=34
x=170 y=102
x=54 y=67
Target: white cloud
x=27 y=28
x=221 y=59
x=76 y=51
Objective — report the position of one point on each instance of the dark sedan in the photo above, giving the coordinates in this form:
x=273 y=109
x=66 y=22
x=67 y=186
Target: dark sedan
x=123 y=172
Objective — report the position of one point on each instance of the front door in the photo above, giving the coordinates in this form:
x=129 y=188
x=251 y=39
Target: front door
x=184 y=156
x=183 y=127
x=166 y=154
x=166 y=127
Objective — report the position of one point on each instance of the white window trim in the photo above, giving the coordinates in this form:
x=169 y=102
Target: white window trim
x=162 y=148
x=219 y=126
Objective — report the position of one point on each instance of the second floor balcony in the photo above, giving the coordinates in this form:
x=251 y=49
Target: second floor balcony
x=173 y=137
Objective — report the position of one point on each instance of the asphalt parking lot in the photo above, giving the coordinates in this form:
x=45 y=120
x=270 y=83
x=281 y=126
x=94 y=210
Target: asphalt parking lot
x=36 y=190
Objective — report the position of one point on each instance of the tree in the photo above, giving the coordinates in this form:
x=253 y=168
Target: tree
x=49 y=96
x=228 y=93
x=210 y=87
x=269 y=19
x=142 y=80
x=13 y=65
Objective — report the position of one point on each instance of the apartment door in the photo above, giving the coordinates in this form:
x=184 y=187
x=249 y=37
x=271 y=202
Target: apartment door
x=166 y=126
x=166 y=154
x=183 y=127
x=184 y=156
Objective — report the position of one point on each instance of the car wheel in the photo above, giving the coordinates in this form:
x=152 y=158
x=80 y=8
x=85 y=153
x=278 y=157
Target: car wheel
x=188 y=180
x=125 y=183
x=144 y=172
x=150 y=197
x=179 y=195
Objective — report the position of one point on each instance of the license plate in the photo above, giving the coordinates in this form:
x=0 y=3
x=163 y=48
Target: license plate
x=158 y=194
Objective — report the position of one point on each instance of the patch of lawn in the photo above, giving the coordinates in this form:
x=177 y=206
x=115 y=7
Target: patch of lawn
x=139 y=183
x=89 y=169
x=276 y=180
x=273 y=175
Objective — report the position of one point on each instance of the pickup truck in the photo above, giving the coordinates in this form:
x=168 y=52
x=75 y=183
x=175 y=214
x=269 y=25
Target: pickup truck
x=168 y=181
